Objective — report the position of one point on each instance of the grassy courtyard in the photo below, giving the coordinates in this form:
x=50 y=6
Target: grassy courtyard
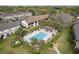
x=5 y=47
x=66 y=42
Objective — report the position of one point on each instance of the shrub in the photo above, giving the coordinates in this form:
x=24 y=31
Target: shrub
x=16 y=43
x=49 y=44
x=56 y=37
x=36 y=46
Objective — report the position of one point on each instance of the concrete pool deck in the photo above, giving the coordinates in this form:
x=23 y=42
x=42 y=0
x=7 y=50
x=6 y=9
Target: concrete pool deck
x=49 y=35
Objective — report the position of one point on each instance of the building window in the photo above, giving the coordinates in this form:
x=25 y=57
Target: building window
x=7 y=35
x=2 y=36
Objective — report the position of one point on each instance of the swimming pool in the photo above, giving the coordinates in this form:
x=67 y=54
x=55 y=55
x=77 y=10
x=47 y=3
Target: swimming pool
x=39 y=36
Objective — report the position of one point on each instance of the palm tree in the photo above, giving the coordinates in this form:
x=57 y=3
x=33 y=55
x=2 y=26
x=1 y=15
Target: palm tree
x=38 y=46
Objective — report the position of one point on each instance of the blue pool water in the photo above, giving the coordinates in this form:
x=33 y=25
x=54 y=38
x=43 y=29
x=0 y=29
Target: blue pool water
x=39 y=36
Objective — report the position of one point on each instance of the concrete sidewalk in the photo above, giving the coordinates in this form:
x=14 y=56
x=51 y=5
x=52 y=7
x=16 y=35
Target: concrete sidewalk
x=56 y=49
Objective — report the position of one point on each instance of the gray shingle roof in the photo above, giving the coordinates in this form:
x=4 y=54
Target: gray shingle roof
x=11 y=14
x=32 y=19
x=77 y=45
x=48 y=28
x=76 y=33
x=76 y=30
x=9 y=24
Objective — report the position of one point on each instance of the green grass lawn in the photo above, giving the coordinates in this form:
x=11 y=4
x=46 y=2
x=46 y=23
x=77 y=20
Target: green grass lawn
x=5 y=47
x=65 y=43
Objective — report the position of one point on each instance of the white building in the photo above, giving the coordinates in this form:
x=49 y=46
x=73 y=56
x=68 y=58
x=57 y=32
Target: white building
x=14 y=15
x=34 y=20
x=8 y=26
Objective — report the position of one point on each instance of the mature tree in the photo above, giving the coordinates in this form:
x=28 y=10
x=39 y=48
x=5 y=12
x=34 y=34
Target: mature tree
x=6 y=9
x=37 y=46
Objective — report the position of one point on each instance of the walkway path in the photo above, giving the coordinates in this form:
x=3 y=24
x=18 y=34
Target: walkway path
x=56 y=49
